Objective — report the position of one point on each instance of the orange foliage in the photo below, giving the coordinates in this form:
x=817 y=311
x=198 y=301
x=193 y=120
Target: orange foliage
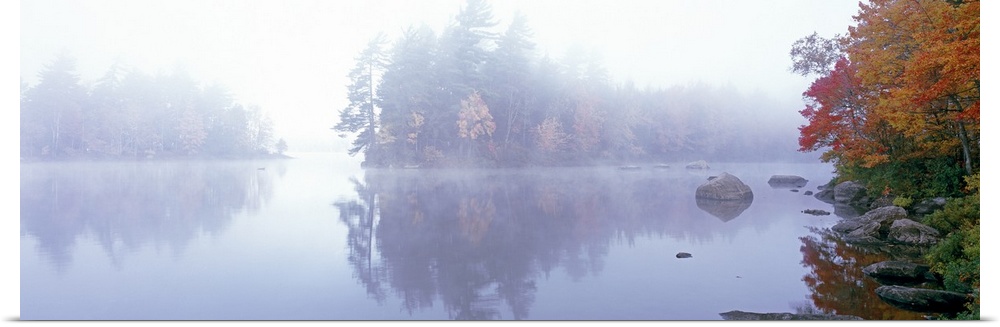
x=919 y=61
x=909 y=87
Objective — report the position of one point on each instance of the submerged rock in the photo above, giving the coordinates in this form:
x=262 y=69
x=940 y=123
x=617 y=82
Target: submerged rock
x=923 y=300
x=683 y=255
x=816 y=212
x=743 y=315
x=787 y=181
x=807 y=193
x=700 y=164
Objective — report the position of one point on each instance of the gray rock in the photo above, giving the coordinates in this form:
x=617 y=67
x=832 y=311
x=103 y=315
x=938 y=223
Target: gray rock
x=724 y=187
x=882 y=201
x=847 y=225
x=743 y=315
x=867 y=229
x=923 y=300
x=807 y=193
x=843 y=210
x=928 y=206
x=873 y=224
x=898 y=271
x=683 y=255
x=787 y=181
x=825 y=196
x=700 y=164
x=849 y=192
x=816 y=212
x=910 y=232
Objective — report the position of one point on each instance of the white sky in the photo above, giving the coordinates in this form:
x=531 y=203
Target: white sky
x=291 y=56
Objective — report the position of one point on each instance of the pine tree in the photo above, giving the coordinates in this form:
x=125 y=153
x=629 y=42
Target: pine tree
x=360 y=115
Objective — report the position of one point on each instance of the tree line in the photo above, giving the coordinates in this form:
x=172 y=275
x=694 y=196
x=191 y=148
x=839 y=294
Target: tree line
x=480 y=95
x=896 y=106
x=129 y=114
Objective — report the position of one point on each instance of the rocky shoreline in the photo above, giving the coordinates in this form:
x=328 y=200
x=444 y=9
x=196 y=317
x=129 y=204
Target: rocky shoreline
x=877 y=224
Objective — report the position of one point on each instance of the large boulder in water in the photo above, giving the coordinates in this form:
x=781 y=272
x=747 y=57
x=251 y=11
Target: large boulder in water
x=787 y=181
x=724 y=187
x=700 y=164
x=923 y=300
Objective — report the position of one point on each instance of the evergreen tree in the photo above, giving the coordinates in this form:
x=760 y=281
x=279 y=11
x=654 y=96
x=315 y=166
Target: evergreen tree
x=407 y=95
x=52 y=114
x=509 y=69
x=360 y=115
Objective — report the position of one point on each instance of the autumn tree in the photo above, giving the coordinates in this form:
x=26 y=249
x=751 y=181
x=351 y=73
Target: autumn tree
x=475 y=121
x=921 y=59
x=549 y=136
x=902 y=99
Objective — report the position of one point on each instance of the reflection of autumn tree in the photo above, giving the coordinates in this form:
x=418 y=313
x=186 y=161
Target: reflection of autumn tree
x=474 y=218
x=837 y=283
x=125 y=206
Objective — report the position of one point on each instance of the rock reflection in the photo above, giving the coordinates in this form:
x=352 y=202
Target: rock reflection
x=722 y=209
x=125 y=205
x=838 y=285
x=478 y=240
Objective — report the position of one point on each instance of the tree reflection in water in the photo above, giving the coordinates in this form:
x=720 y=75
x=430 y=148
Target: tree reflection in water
x=837 y=283
x=126 y=205
x=478 y=240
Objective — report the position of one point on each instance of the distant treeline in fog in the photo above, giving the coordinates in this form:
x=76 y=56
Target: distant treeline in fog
x=129 y=114
x=479 y=95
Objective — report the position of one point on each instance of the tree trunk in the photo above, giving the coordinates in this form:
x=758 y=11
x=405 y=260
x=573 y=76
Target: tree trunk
x=963 y=136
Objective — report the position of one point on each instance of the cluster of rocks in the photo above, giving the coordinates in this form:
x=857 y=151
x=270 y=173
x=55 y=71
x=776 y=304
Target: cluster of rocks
x=874 y=223
x=904 y=284
x=912 y=286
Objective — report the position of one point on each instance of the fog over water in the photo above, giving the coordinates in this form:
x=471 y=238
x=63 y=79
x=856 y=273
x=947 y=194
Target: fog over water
x=292 y=57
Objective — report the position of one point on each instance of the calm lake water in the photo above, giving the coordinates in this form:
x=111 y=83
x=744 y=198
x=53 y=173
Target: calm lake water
x=319 y=238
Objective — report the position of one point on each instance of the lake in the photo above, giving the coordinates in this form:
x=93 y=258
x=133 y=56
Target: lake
x=319 y=238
